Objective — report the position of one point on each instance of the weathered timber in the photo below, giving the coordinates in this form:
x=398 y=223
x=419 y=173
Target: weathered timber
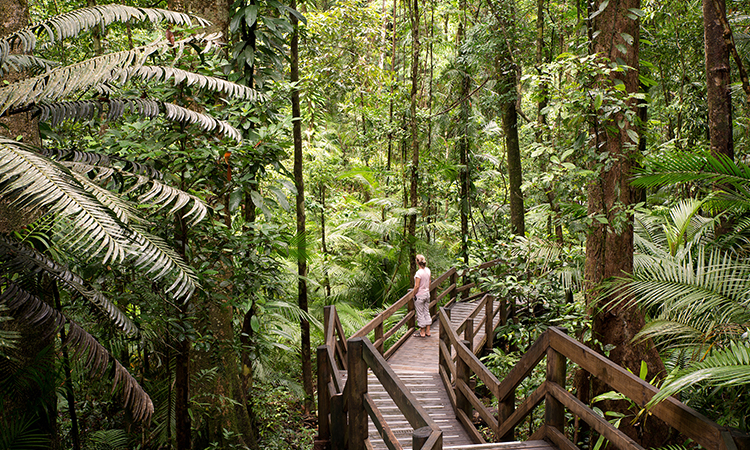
x=507 y=424
x=390 y=439
x=554 y=412
x=556 y=437
x=483 y=412
x=404 y=399
x=598 y=423
x=678 y=415
x=474 y=434
x=525 y=365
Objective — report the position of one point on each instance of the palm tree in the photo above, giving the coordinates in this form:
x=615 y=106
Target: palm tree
x=60 y=210
x=694 y=286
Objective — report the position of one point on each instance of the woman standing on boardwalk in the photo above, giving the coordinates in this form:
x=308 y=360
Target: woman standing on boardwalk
x=422 y=296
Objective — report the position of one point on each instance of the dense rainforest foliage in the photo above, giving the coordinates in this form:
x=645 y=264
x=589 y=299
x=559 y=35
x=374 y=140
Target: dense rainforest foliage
x=184 y=186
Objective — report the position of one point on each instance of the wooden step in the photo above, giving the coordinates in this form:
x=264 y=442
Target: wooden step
x=514 y=445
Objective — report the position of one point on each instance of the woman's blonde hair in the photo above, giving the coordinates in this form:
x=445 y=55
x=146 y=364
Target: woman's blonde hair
x=421 y=260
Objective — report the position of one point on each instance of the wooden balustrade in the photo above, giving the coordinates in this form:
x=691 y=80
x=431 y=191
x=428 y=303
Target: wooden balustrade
x=345 y=406
x=559 y=349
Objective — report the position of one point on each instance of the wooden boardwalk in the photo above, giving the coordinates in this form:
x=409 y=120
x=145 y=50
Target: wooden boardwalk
x=416 y=364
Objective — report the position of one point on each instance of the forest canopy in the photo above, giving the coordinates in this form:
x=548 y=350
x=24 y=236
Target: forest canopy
x=185 y=185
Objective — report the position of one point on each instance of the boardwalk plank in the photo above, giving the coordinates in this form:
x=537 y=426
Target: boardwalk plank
x=416 y=364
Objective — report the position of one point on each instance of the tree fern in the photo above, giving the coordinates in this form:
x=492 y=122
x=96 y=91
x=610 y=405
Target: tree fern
x=32 y=180
x=118 y=67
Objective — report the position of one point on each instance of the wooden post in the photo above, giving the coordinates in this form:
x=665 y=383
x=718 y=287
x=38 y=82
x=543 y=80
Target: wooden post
x=469 y=333
x=410 y=308
x=443 y=335
x=454 y=281
x=505 y=408
x=554 y=411
x=326 y=320
x=338 y=418
x=357 y=386
x=489 y=330
x=420 y=436
x=462 y=373
x=433 y=309
x=378 y=337
x=324 y=406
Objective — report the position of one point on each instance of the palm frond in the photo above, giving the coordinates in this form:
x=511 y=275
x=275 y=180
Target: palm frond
x=99 y=168
x=160 y=73
x=32 y=180
x=701 y=292
x=158 y=259
x=30 y=63
x=56 y=113
x=26 y=307
x=72 y=23
x=729 y=366
x=22 y=258
x=667 y=170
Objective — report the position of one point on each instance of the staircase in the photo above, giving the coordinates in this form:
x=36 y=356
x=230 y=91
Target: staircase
x=401 y=391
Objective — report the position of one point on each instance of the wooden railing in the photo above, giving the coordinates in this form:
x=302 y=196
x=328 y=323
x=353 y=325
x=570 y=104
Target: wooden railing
x=559 y=348
x=406 y=303
x=345 y=405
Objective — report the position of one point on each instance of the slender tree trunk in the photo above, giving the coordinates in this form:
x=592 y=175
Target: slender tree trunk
x=414 y=128
x=609 y=246
x=508 y=93
x=182 y=357
x=463 y=140
x=306 y=354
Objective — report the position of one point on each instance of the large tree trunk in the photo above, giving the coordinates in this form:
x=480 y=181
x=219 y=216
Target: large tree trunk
x=718 y=80
x=215 y=11
x=35 y=400
x=299 y=181
x=609 y=246
x=507 y=91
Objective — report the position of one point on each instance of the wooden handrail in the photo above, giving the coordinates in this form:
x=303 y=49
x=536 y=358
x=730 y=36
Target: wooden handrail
x=363 y=355
x=559 y=348
x=347 y=404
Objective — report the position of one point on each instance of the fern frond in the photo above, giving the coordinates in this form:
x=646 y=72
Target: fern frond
x=22 y=258
x=62 y=82
x=101 y=168
x=72 y=23
x=56 y=113
x=32 y=180
x=729 y=366
x=26 y=307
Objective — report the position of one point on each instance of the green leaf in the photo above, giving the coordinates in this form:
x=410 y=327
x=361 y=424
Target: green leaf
x=251 y=15
x=235 y=198
x=602 y=6
x=644 y=371
x=633 y=135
